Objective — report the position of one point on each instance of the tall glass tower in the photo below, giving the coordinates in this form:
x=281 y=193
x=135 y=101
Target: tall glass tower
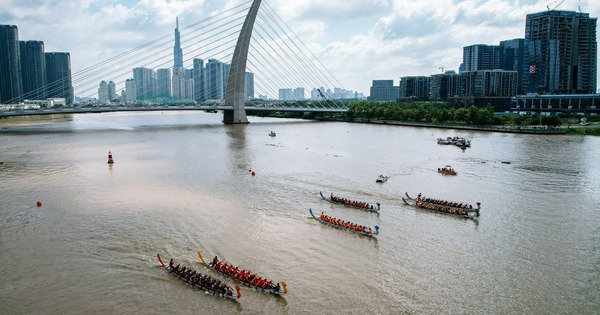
x=11 y=87
x=58 y=76
x=177 y=52
x=561 y=50
x=33 y=69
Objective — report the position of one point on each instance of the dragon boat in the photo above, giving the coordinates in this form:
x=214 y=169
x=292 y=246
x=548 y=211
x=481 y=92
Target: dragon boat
x=351 y=203
x=245 y=277
x=443 y=206
x=346 y=226
x=202 y=282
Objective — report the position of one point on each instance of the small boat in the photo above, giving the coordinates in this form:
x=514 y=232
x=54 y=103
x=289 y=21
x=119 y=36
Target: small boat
x=245 y=277
x=110 y=158
x=351 y=203
x=448 y=140
x=346 y=226
x=200 y=281
x=272 y=134
x=381 y=179
x=447 y=170
x=443 y=206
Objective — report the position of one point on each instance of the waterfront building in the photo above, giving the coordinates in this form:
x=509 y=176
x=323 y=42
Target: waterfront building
x=103 y=96
x=481 y=57
x=384 y=90
x=58 y=76
x=33 y=69
x=145 y=83
x=286 y=94
x=443 y=85
x=11 y=88
x=249 y=85
x=216 y=75
x=177 y=52
x=112 y=91
x=561 y=49
x=163 y=83
x=414 y=87
x=130 y=90
x=512 y=58
x=199 y=84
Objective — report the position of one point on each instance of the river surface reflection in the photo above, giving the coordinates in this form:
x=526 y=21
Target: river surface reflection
x=183 y=182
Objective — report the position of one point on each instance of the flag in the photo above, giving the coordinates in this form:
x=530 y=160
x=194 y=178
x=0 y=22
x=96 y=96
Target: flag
x=532 y=69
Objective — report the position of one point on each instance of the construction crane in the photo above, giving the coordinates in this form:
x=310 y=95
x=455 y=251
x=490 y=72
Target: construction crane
x=556 y=6
x=442 y=68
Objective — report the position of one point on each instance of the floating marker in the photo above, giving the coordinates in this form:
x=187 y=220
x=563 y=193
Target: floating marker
x=39 y=203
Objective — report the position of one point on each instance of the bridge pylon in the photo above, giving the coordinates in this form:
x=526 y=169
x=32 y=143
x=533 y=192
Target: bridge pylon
x=235 y=94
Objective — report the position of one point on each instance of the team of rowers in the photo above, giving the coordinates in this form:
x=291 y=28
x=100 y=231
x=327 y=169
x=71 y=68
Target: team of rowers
x=443 y=205
x=346 y=225
x=244 y=276
x=203 y=281
x=348 y=202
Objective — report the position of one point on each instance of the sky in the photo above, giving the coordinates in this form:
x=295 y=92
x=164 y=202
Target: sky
x=357 y=40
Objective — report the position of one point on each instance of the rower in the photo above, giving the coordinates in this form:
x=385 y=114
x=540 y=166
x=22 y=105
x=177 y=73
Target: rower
x=171 y=263
x=215 y=260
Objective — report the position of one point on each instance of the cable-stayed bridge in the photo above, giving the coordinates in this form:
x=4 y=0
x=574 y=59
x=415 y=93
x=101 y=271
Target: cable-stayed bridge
x=220 y=54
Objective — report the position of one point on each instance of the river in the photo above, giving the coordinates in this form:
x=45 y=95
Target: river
x=182 y=182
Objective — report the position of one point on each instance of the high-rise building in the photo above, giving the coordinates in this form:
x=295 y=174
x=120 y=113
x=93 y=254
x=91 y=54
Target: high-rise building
x=33 y=69
x=58 y=76
x=163 y=83
x=216 y=75
x=561 y=51
x=249 y=85
x=286 y=94
x=177 y=52
x=145 y=83
x=512 y=58
x=130 y=90
x=416 y=87
x=112 y=91
x=11 y=88
x=199 y=84
x=103 y=95
x=384 y=90
x=443 y=86
x=481 y=57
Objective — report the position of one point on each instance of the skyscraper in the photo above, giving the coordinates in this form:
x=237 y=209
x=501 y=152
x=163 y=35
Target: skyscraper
x=481 y=57
x=512 y=58
x=11 y=87
x=561 y=50
x=33 y=69
x=249 y=86
x=198 y=76
x=103 y=93
x=58 y=76
x=216 y=79
x=163 y=83
x=177 y=52
x=145 y=83
x=382 y=90
x=112 y=91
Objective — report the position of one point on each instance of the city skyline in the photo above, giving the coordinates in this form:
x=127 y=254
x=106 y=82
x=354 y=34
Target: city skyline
x=357 y=41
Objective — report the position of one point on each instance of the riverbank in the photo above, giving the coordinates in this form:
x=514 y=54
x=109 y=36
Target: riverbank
x=547 y=130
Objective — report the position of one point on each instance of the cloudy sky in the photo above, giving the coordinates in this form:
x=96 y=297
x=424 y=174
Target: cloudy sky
x=357 y=40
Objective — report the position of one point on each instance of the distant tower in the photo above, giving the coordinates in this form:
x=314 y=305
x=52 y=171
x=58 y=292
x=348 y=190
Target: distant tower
x=11 y=88
x=58 y=76
x=33 y=69
x=103 y=97
x=177 y=52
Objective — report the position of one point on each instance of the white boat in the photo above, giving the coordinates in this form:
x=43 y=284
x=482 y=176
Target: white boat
x=381 y=179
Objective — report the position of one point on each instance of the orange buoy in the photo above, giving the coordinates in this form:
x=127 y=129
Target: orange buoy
x=39 y=203
x=253 y=173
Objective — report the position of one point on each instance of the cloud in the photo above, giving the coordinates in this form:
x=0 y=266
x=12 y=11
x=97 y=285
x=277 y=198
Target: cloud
x=357 y=40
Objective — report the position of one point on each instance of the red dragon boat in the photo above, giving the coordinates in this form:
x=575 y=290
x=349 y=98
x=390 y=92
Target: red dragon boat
x=245 y=277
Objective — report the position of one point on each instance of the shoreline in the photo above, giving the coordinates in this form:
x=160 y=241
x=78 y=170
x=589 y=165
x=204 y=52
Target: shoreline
x=543 y=130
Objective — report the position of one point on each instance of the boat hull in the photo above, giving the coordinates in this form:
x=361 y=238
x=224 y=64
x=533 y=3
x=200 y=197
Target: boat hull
x=444 y=209
x=374 y=209
x=344 y=228
x=235 y=294
x=281 y=291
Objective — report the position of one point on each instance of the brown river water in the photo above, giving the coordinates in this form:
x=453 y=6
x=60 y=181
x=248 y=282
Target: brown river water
x=182 y=183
